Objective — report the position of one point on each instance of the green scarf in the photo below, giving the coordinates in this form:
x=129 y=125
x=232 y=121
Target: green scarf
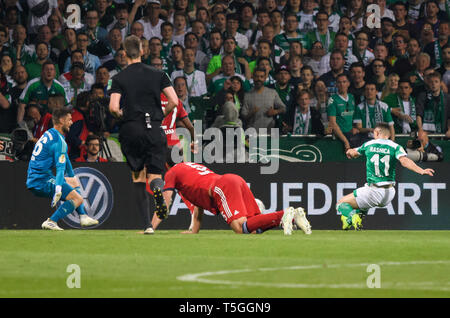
x=302 y=126
x=438 y=53
x=412 y=109
x=371 y=121
x=434 y=114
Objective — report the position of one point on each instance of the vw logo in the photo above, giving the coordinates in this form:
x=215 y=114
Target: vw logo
x=98 y=196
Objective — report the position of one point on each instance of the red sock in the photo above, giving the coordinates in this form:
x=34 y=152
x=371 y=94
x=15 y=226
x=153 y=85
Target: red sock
x=264 y=222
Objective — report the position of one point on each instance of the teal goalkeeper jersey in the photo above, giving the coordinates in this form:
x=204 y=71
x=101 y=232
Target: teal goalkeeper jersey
x=381 y=158
x=50 y=152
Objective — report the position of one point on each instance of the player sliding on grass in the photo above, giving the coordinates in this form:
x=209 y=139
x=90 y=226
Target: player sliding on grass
x=50 y=152
x=381 y=157
x=230 y=195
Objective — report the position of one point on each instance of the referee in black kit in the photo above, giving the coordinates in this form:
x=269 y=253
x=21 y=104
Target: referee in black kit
x=143 y=141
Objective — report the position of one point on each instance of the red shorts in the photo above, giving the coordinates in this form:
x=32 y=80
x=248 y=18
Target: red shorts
x=233 y=198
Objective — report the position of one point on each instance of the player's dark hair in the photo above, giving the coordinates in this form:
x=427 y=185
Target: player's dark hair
x=169 y=160
x=385 y=129
x=59 y=113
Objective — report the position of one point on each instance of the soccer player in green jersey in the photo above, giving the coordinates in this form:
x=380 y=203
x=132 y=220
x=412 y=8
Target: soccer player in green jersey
x=382 y=155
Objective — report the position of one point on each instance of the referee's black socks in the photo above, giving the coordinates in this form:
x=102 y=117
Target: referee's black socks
x=143 y=203
x=157 y=186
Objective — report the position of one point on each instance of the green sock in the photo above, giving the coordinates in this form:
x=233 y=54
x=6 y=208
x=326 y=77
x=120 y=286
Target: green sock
x=346 y=210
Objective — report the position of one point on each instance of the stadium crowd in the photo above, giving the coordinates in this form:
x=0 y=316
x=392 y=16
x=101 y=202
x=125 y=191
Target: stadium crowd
x=303 y=66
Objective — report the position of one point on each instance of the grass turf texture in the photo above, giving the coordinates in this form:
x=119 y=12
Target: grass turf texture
x=33 y=263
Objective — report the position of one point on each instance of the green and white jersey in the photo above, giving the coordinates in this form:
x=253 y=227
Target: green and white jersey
x=38 y=92
x=327 y=40
x=284 y=42
x=343 y=110
x=371 y=115
x=381 y=158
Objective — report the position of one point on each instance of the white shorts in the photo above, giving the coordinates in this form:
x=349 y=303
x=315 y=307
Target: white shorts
x=371 y=196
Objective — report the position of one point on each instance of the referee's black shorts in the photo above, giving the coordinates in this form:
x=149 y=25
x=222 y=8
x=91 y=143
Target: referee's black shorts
x=144 y=147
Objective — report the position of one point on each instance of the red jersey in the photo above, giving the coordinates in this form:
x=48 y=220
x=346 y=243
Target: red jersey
x=169 y=122
x=83 y=158
x=42 y=126
x=193 y=182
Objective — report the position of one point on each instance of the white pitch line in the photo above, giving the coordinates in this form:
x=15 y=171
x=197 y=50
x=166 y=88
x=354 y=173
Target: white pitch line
x=201 y=277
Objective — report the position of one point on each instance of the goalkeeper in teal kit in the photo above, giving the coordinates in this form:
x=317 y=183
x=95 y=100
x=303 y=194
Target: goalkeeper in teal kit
x=382 y=155
x=50 y=152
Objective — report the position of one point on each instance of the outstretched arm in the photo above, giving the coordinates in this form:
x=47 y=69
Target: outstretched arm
x=338 y=132
x=197 y=218
x=352 y=153
x=409 y=164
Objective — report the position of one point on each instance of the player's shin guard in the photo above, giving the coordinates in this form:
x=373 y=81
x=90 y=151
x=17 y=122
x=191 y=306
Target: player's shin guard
x=262 y=222
x=80 y=210
x=64 y=209
x=142 y=202
x=157 y=186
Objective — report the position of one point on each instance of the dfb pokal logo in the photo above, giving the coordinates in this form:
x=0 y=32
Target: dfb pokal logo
x=98 y=196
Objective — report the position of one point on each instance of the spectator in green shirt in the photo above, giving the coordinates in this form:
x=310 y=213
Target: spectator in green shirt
x=38 y=89
x=341 y=107
x=228 y=70
x=321 y=33
x=371 y=112
x=34 y=69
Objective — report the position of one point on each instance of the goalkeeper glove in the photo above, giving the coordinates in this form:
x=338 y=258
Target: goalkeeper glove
x=57 y=196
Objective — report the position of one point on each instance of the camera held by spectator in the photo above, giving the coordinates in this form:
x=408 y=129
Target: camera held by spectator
x=430 y=153
x=98 y=121
x=22 y=144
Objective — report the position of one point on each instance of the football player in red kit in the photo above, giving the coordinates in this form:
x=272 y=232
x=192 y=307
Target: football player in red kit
x=230 y=196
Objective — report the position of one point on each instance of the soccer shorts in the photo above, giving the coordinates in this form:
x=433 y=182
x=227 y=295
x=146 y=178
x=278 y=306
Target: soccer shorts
x=371 y=196
x=233 y=198
x=144 y=147
x=48 y=187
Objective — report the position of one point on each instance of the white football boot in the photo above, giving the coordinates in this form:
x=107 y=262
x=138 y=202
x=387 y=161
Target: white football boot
x=51 y=225
x=301 y=221
x=286 y=220
x=149 y=231
x=86 y=220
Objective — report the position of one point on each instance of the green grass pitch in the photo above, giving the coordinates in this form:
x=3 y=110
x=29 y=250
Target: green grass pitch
x=221 y=264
